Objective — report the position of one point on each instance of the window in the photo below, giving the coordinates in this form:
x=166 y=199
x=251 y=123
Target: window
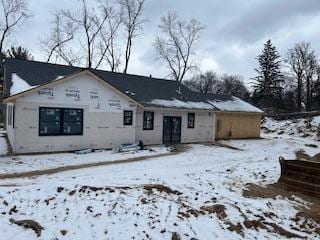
x=127 y=118
x=148 y=120
x=60 y=121
x=13 y=114
x=191 y=117
x=10 y=115
x=72 y=121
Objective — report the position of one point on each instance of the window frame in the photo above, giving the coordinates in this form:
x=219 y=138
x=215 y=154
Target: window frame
x=9 y=115
x=194 y=120
x=61 y=120
x=145 y=120
x=124 y=117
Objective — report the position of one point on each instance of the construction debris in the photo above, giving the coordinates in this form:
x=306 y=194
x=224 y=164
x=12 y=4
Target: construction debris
x=129 y=147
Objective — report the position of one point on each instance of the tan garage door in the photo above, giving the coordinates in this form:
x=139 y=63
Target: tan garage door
x=233 y=126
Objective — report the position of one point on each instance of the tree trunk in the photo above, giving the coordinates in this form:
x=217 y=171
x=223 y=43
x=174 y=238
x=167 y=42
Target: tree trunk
x=299 y=93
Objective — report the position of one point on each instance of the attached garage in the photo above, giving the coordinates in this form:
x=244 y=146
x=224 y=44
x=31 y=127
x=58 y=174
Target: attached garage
x=237 y=125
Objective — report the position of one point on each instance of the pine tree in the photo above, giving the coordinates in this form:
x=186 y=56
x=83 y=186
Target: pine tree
x=19 y=53
x=268 y=85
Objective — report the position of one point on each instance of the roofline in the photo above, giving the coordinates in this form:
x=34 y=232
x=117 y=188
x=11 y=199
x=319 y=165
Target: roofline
x=89 y=69
x=66 y=78
x=244 y=112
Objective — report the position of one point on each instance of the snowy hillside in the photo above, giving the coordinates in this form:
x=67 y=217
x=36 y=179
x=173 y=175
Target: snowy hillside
x=304 y=128
x=199 y=192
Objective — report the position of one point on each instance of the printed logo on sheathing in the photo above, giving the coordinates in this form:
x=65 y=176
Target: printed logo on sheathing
x=114 y=103
x=94 y=100
x=47 y=92
x=73 y=92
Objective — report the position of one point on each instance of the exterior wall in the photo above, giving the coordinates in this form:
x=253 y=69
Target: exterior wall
x=102 y=117
x=202 y=132
x=238 y=125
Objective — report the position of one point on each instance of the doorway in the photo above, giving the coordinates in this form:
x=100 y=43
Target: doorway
x=171 y=129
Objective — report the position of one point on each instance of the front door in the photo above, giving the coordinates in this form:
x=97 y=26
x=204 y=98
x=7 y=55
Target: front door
x=171 y=129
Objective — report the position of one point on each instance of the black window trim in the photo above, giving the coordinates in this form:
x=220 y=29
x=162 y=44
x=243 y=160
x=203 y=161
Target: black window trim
x=61 y=133
x=144 y=119
x=124 y=118
x=194 y=119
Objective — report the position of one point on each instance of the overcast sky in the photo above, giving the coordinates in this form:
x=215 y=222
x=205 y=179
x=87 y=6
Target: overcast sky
x=234 y=33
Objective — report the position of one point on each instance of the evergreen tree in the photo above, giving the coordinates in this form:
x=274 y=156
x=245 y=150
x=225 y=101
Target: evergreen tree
x=268 y=85
x=19 y=53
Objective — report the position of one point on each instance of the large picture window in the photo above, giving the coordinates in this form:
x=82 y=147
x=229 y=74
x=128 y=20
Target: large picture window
x=60 y=121
x=127 y=117
x=148 y=118
x=191 y=117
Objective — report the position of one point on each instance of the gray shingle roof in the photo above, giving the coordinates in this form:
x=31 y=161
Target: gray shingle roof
x=140 y=88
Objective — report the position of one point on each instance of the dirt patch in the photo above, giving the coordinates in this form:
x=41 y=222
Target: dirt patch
x=307 y=218
x=218 y=209
x=258 y=224
x=161 y=188
x=35 y=226
x=219 y=144
x=255 y=191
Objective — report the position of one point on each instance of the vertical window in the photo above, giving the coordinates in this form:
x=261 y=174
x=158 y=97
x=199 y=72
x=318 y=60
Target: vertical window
x=127 y=118
x=50 y=121
x=60 y=121
x=191 y=117
x=148 y=120
x=72 y=121
x=13 y=114
x=9 y=113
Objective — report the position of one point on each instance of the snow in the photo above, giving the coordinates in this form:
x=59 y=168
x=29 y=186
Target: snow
x=25 y=163
x=235 y=105
x=304 y=128
x=3 y=145
x=125 y=209
x=19 y=85
x=59 y=77
x=175 y=103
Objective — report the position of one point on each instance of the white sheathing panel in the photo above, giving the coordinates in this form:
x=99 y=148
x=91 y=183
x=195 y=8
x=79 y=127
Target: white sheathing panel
x=102 y=116
x=202 y=132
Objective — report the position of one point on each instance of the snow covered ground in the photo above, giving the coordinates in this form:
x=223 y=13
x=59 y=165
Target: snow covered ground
x=197 y=194
x=24 y=163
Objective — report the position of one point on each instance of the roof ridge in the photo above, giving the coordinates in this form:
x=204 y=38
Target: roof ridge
x=86 y=68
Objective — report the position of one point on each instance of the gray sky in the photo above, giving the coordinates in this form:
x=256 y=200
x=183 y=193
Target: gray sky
x=234 y=34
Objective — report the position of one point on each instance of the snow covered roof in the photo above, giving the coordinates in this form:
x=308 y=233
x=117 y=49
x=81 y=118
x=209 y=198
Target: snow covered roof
x=175 y=103
x=235 y=105
x=19 y=85
x=22 y=75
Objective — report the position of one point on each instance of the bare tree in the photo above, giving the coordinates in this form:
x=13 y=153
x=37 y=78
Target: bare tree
x=234 y=85
x=13 y=13
x=311 y=68
x=205 y=82
x=131 y=16
x=56 y=44
x=89 y=24
x=175 y=47
x=108 y=43
x=81 y=28
x=302 y=62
